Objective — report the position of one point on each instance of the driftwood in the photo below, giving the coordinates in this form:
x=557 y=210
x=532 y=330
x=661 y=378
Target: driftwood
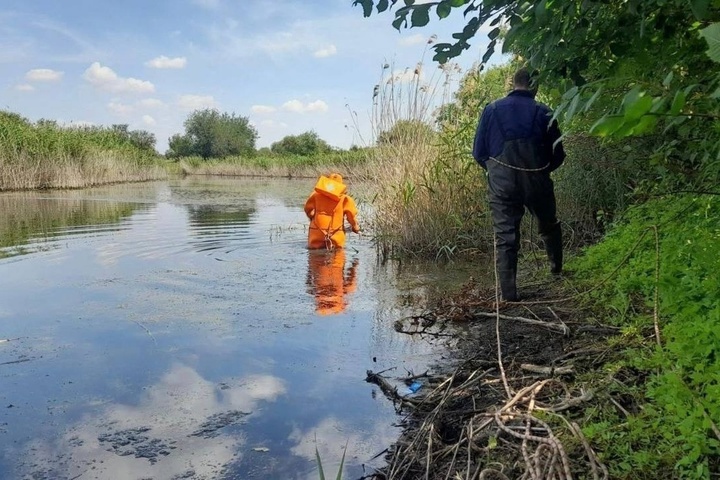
x=561 y=328
x=551 y=371
x=389 y=390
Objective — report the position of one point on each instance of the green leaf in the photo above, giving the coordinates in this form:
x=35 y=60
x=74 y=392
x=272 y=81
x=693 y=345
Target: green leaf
x=541 y=11
x=409 y=2
x=668 y=79
x=319 y=462
x=570 y=93
x=638 y=108
x=607 y=125
x=489 y=52
x=366 y=6
x=458 y=3
x=572 y=108
x=631 y=97
x=678 y=103
x=400 y=18
x=711 y=35
x=592 y=99
x=645 y=125
x=700 y=8
x=420 y=15
x=443 y=9
x=382 y=5
x=342 y=462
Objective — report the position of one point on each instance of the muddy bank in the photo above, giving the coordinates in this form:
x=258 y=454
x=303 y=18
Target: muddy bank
x=509 y=403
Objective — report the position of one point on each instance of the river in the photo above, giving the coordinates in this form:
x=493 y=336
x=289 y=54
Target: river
x=181 y=330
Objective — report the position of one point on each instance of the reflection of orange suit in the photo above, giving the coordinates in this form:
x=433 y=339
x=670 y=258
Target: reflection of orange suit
x=327 y=208
x=329 y=282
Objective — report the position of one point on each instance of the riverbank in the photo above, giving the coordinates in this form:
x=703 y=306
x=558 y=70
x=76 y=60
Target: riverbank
x=609 y=373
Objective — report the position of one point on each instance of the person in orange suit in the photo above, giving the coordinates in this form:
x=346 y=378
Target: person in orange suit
x=329 y=282
x=327 y=207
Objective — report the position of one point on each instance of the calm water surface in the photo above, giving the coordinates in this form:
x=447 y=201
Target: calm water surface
x=181 y=330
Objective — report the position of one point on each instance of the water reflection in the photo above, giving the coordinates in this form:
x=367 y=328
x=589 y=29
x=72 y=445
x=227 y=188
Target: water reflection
x=31 y=222
x=166 y=292
x=328 y=280
x=182 y=427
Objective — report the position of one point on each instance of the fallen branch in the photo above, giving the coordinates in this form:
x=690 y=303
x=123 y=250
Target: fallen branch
x=389 y=390
x=564 y=329
x=552 y=371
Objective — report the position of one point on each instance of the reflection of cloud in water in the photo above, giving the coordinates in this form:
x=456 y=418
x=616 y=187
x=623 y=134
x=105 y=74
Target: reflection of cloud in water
x=332 y=435
x=175 y=429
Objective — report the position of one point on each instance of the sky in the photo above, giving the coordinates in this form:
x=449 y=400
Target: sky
x=290 y=66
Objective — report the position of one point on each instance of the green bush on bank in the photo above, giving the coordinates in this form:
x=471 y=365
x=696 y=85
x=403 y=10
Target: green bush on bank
x=678 y=404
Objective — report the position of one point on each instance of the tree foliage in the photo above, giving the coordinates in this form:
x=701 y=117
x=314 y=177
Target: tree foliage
x=306 y=144
x=211 y=134
x=404 y=131
x=630 y=67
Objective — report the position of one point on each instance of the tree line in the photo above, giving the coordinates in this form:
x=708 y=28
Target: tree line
x=212 y=134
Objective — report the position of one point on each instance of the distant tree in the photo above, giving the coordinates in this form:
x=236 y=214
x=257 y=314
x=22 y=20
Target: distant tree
x=179 y=146
x=142 y=139
x=264 y=151
x=305 y=144
x=46 y=123
x=211 y=134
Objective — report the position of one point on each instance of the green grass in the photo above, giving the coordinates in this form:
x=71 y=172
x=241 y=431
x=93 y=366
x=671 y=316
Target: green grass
x=674 y=388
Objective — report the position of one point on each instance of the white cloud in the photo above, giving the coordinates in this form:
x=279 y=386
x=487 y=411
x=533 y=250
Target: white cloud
x=174 y=413
x=150 y=103
x=166 y=62
x=416 y=39
x=119 y=108
x=326 y=52
x=106 y=79
x=149 y=121
x=262 y=109
x=24 y=87
x=196 y=102
x=296 y=106
x=43 y=75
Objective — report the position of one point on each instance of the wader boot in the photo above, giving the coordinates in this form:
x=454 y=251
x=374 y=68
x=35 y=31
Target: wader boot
x=552 y=237
x=508 y=288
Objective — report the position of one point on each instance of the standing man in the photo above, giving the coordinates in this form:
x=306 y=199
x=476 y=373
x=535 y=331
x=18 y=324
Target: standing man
x=518 y=145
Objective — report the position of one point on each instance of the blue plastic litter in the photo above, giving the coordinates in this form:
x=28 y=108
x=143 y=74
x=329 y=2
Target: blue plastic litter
x=415 y=386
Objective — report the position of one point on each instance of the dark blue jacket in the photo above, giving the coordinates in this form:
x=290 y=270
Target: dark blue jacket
x=519 y=116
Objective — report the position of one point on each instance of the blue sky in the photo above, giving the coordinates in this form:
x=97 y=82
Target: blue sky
x=289 y=65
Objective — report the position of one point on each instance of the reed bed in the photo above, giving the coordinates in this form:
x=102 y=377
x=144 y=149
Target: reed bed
x=47 y=155
x=346 y=163
x=425 y=203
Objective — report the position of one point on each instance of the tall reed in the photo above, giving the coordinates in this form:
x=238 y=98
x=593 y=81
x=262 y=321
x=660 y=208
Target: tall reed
x=46 y=155
x=426 y=202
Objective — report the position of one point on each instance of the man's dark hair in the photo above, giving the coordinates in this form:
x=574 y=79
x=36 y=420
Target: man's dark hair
x=526 y=79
